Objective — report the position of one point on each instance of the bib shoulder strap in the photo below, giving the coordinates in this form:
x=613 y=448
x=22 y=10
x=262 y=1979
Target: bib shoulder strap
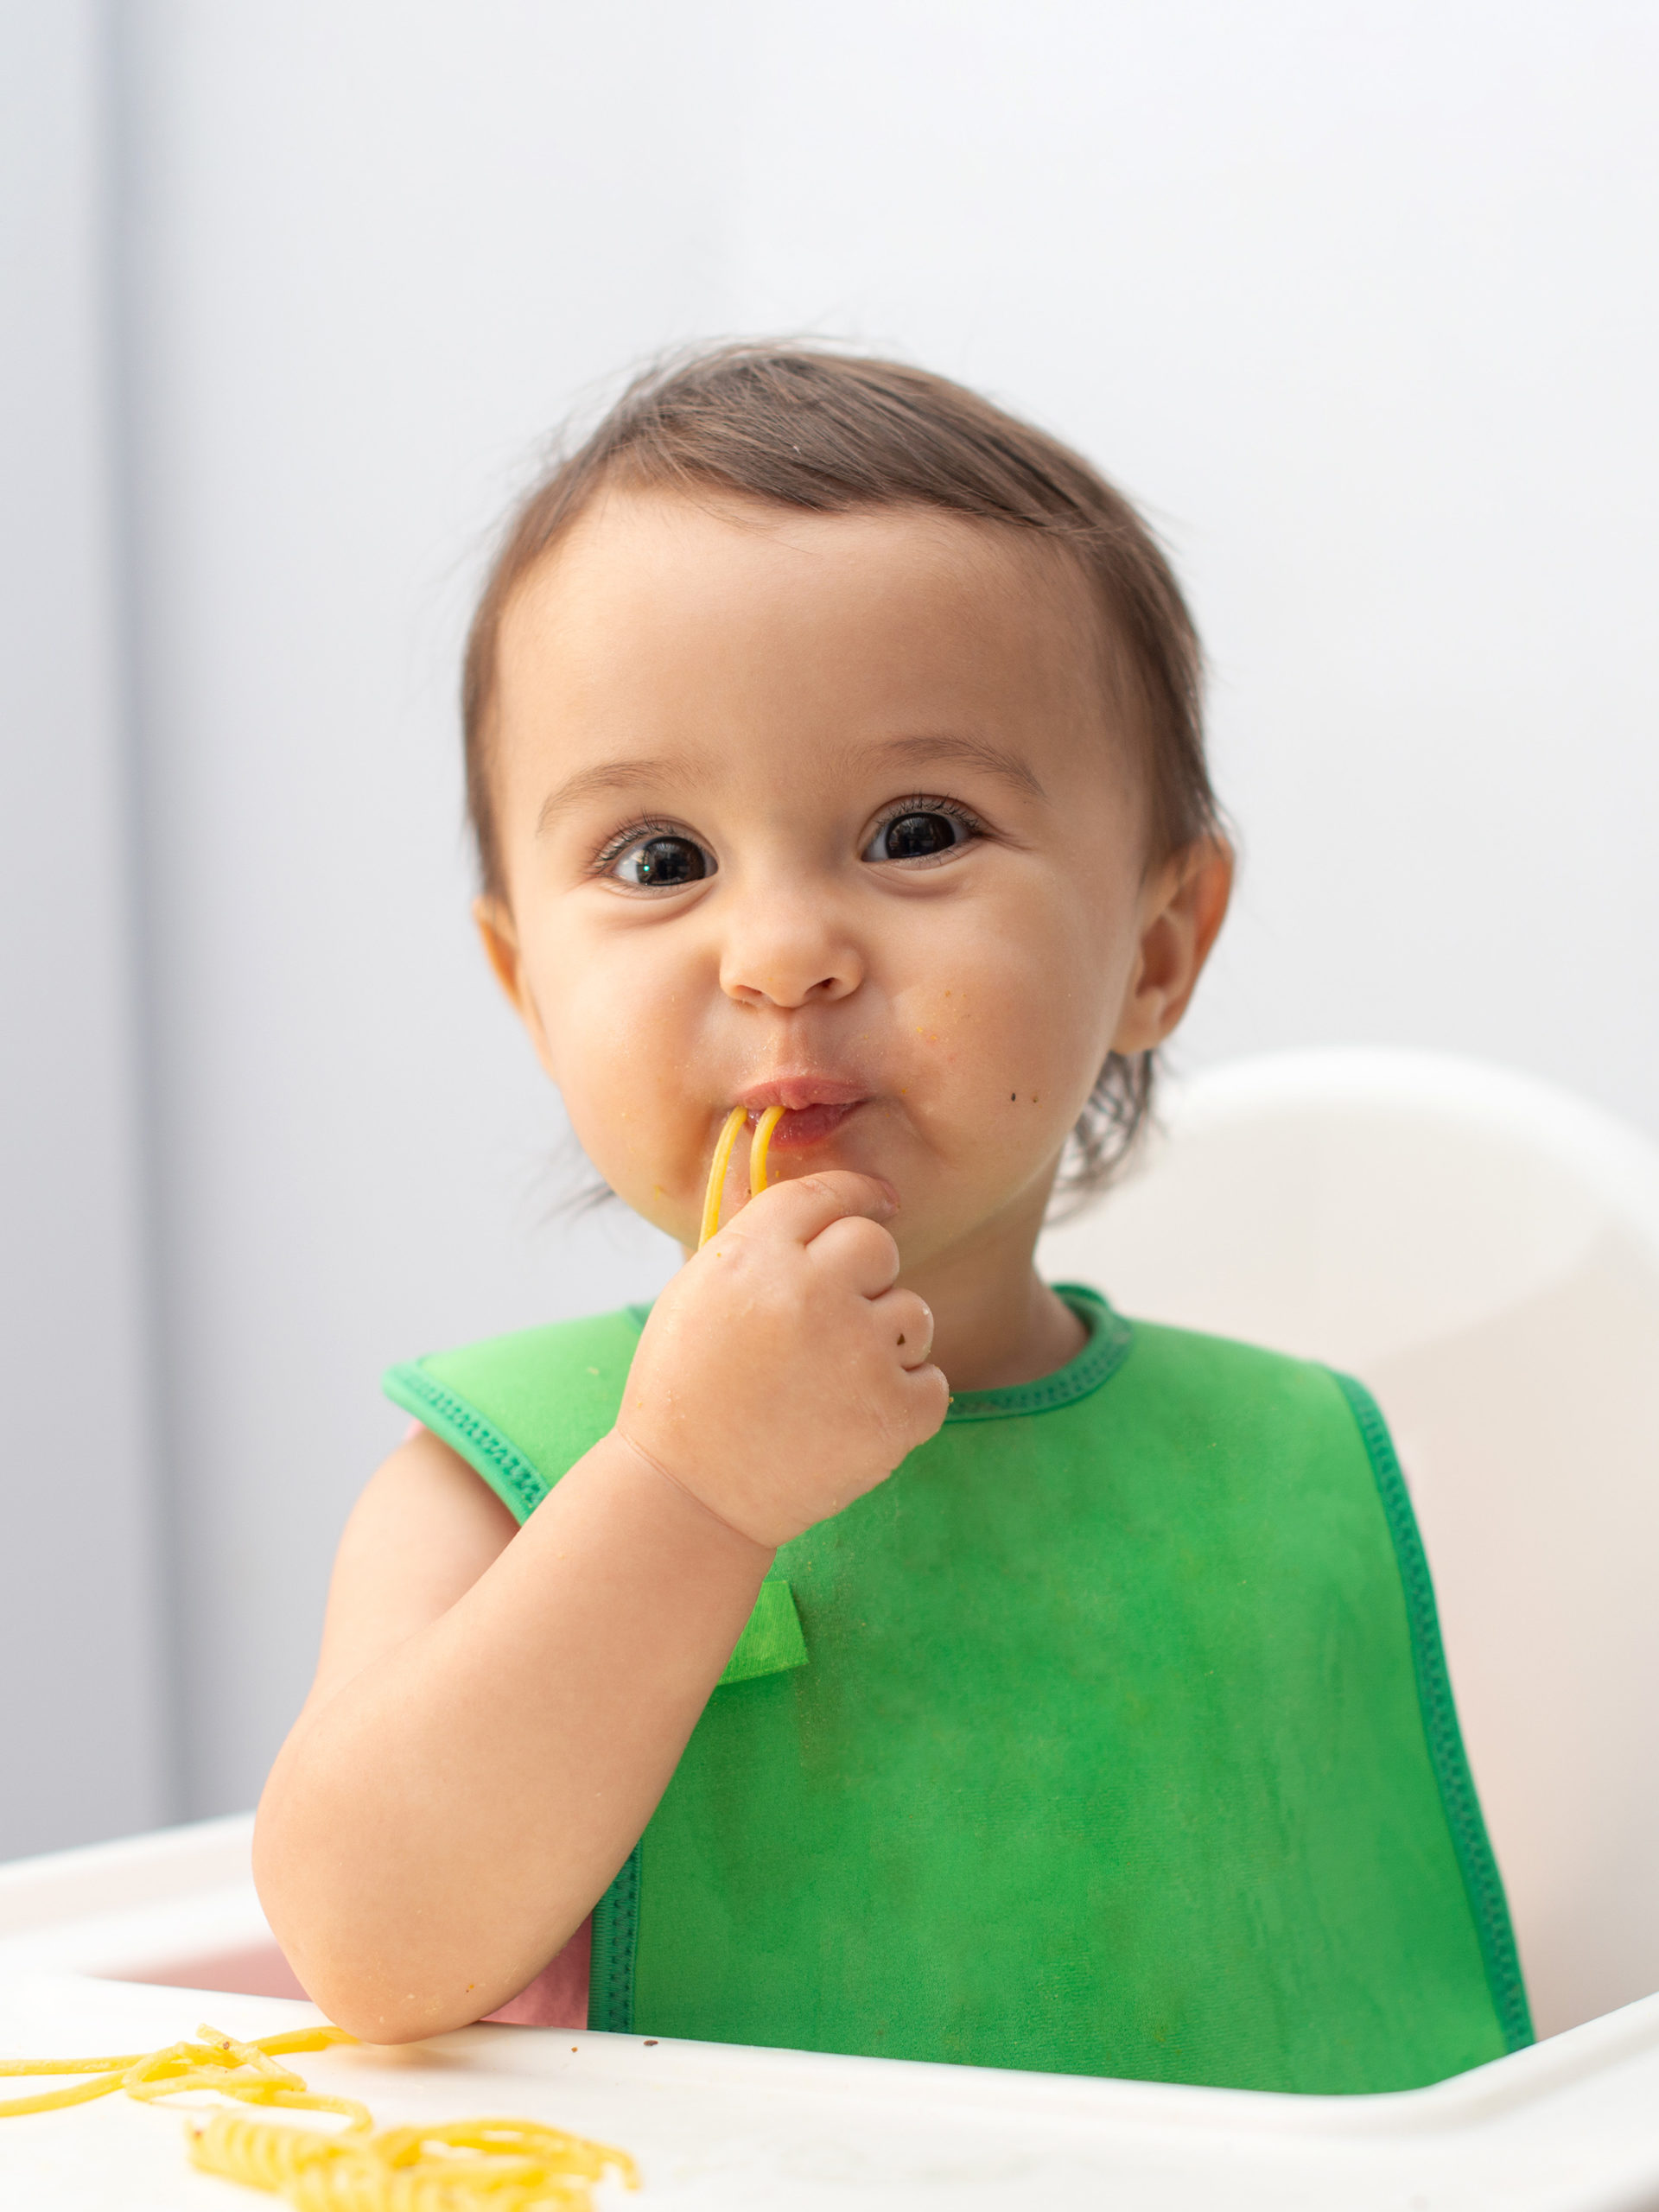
x=522 y=1409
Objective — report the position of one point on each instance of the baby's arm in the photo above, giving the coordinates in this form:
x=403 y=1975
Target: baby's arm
x=496 y=1712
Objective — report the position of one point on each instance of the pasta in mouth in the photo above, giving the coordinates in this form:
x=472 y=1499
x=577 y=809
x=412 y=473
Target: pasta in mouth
x=723 y=1159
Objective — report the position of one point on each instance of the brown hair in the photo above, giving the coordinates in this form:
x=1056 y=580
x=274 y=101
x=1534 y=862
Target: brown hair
x=829 y=432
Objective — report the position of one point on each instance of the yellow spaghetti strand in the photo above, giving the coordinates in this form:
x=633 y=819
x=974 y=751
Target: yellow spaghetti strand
x=318 y=2038
x=722 y=1160
x=717 y=1167
x=760 y=1147
x=54 y=2100
x=254 y=2152
x=246 y=2070
x=458 y=2165
x=495 y=2165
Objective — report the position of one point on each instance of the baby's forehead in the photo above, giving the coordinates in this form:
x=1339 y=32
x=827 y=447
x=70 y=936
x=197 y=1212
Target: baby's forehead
x=685 y=586
x=769 y=667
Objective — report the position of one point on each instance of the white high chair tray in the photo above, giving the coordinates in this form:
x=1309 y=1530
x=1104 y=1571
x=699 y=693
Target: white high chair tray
x=1570 y=2126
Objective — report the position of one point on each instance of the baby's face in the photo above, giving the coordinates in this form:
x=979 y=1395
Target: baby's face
x=822 y=811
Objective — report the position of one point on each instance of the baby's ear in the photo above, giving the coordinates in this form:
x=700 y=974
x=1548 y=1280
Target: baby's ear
x=494 y=923
x=1182 y=909
x=493 y=917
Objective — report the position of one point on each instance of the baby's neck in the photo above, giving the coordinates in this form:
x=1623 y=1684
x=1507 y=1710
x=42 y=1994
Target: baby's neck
x=994 y=1322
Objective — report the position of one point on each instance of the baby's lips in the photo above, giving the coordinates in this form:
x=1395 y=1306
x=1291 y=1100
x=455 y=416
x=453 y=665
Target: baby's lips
x=796 y=1093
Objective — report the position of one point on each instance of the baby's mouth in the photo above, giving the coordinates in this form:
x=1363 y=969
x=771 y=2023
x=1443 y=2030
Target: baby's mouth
x=795 y=1111
x=802 y=1127
x=814 y=1108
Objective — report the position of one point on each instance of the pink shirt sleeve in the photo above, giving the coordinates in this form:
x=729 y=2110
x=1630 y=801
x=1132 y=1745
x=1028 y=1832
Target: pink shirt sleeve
x=558 y=1996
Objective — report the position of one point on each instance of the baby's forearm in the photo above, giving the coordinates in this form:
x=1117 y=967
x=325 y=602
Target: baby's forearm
x=437 y=1826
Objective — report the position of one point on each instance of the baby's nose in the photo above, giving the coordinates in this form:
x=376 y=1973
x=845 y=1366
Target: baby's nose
x=789 y=952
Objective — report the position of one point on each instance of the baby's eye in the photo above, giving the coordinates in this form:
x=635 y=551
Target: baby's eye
x=662 y=862
x=917 y=835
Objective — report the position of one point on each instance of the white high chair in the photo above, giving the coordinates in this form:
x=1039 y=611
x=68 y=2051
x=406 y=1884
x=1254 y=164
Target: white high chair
x=1483 y=1251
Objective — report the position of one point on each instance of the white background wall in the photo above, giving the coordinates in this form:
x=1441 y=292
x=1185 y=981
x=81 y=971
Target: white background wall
x=84 y=1721
x=1359 y=302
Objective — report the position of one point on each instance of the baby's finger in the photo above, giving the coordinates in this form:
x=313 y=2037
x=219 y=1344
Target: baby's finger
x=861 y=1253
x=906 y=1323
x=927 y=1401
x=801 y=1208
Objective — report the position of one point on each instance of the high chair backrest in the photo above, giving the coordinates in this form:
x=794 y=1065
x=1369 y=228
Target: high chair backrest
x=1482 y=1250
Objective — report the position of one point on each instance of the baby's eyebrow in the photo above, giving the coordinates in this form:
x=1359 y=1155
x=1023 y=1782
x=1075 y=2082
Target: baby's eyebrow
x=920 y=751
x=607 y=776
x=967 y=752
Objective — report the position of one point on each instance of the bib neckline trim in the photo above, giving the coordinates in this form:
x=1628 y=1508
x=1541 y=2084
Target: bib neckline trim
x=1110 y=1340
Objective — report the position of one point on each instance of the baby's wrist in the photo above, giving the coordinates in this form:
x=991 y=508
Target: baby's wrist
x=710 y=1517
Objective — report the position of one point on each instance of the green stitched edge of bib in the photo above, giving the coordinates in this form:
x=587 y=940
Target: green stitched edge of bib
x=509 y=1474
x=771 y=1642
x=1111 y=1338
x=616 y=1932
x=1446 y=1755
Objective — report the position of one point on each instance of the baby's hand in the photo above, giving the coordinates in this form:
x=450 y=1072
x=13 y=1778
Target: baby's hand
x=780 y=1375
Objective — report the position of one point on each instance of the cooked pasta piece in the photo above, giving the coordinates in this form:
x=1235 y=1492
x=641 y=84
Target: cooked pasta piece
x=760 y=1147
x=494 y=2165
x=717 y=1167
x=246 y=2070
x=457 y=2165
x=722 y=1160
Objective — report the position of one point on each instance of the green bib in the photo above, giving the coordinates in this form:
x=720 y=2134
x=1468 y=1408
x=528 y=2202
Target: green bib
x=1111 y=1735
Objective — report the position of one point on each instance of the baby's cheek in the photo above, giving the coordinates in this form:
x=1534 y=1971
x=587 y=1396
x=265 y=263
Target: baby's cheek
x=640 y=1150
x=1016 y=1030
x=614 y=1062
x=995 y=1081
x=943 y=1025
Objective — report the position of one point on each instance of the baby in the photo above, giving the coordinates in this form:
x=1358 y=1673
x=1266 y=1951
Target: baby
x=871 y=1648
